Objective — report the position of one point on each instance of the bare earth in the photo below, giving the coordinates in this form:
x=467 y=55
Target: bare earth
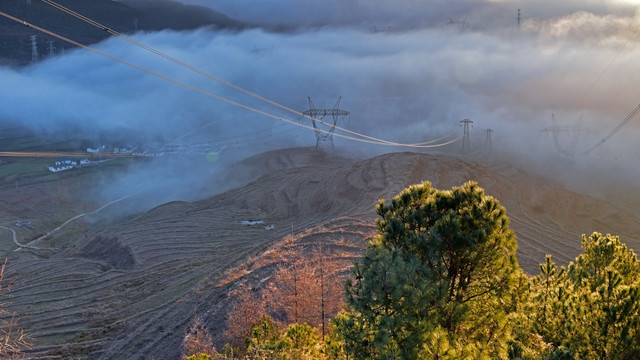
x=129 y=290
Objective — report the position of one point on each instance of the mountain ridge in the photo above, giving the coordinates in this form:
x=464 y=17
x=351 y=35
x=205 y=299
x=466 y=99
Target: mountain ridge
x=122 y=16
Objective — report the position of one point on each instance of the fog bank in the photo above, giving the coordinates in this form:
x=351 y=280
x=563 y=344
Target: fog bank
x=410 y=83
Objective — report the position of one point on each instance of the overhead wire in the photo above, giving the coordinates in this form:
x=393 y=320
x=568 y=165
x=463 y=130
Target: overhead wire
x=436 y=140
x=608 y=66
x=210 y=76
x=260 y=112
x=615 y=130
x=635 y=30
x=366 y=139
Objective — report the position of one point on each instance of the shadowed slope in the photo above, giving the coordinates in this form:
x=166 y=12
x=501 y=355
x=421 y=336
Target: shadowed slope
x=130 y=290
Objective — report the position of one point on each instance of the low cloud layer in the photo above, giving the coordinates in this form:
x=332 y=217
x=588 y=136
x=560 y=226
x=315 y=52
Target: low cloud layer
x=415 y=81
x=407 y=14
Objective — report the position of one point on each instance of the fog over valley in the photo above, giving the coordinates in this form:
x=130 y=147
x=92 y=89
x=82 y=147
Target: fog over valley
x=407 y=71
x=162 y=179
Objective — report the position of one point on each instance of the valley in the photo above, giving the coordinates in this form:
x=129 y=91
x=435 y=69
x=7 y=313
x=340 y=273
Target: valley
x=127 y=287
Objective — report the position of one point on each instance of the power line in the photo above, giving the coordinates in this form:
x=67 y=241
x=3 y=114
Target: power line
x=615 y=130
x=363 y=139
x=210 y=76
x=602 y=73
x=170 y=79
x=199 y=71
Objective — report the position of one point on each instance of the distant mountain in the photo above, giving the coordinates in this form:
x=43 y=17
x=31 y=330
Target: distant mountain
x=122 y=16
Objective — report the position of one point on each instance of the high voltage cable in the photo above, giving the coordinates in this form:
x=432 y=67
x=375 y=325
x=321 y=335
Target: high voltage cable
x=599 y=77
x=192 y=68
x=435 y=140
x=615 y=130
x=210 y=76
x=183 y=84
x=246 y=107
x=606 y=68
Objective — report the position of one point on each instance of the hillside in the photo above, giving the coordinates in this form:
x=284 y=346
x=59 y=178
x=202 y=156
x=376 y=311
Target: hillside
x=128 y=290
x=118 y=15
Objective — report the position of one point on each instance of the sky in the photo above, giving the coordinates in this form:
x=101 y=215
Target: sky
x=407 y=70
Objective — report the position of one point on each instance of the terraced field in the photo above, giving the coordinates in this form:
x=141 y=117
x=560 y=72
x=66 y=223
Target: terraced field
x=128 y=289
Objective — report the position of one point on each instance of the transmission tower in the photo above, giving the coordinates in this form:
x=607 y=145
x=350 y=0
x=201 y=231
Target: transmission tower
x=487 y=142
x=518 y=18
x=573 y=132
x=34 y=48
x=51 y=48
x=465 y=138
x=324 y=133
x=135 y=24
x=462 y=23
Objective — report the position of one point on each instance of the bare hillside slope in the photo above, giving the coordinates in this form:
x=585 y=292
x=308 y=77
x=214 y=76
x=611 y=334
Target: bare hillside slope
x=129 y=291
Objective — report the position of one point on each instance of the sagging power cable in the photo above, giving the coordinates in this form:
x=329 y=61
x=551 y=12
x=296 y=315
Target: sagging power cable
x=366 y=138
x=210 y=76
x=615 y=130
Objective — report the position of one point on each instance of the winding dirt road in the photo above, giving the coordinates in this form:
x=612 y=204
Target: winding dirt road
x=15 y=240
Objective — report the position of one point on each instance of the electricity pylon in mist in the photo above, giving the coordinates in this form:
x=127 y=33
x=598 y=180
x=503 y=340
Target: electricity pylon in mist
x=572 y=130
x=324 y=130
x=487 y=142
x=34 y=48
x=465 y=137
x=51 y=48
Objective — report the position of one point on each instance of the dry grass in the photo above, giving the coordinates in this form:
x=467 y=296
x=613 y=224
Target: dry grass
x=189 y=257
x=13 y=341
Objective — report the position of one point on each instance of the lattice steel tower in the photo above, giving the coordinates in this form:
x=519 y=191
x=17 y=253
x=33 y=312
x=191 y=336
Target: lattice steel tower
x=51 y=48
x=324 y=130
x=465 y=138
x=487 y=142
x=34 y=48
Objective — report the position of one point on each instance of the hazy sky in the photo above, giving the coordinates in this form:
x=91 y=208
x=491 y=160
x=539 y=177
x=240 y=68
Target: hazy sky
x=408 y=71
x=406 y=14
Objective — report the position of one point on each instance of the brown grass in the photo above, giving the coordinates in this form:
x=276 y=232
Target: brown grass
x=188 y=258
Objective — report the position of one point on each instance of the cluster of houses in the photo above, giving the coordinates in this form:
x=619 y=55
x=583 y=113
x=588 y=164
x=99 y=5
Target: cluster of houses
x=124 y=151
x=154 y=151
x=135 y=151
x=67 y=164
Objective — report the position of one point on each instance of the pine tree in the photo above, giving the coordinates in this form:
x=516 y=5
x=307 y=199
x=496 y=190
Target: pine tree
x=301 y=342
x=265 y=341
x=592 y=309
x=606 y=289
x=442 y=261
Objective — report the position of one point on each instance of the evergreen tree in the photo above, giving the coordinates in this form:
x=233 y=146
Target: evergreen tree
x=593 y=309
x=301 y=342
x=265 y=341
x=443 y=262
